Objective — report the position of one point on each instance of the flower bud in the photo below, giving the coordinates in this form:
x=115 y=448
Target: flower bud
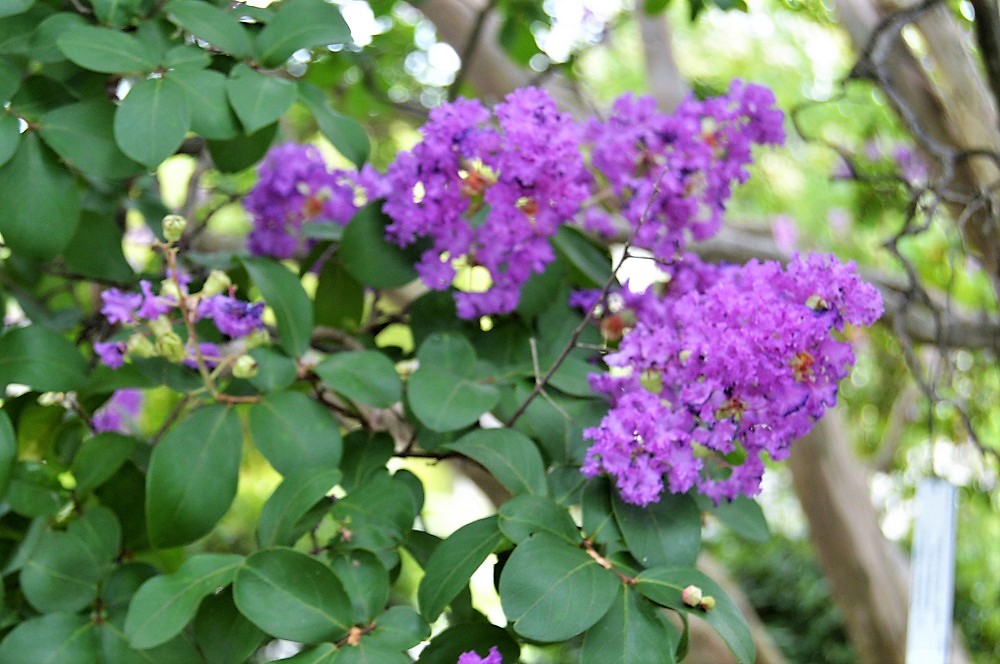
x=217 y=282
x=256 y=338
x=245 y=367
x=140 y=346
x=170 y=347
x=707 y=603
x=170 y=290
x=173 y=227
x=691 y=596
x=161 y=326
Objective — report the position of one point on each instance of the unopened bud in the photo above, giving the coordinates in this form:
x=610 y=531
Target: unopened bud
x=256 y=338
x=707 y=603
x=652 y=380
x=170 y=290
x=170 y=347
x=217 y=282
x=691 y=596
x=817 y=303
x=173 y=227
x=245 y=367
x=161 y=326
x=139 y=345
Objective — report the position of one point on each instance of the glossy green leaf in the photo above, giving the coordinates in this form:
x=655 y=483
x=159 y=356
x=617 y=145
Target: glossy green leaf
x=446 y=647
x=222 y=633
x=589 y=265
x=258 y=99
x=292 y=596
x=44 y=47
x=553 y=590
x=284 y=294
x=114 y=13
x=300 y=24
x=96 y=249
x=297 y=493
x=192 y=476
x=363 y=376
x=631 y=631
x=663 y=585
x=527 y=515
x=10 y=137
x=345 y=133
x=151 y=121
x=34 y=490
x=98 y=458
x=165 y=604
x=13 y=7
x=8 y=451
x=61 y=574
x=399 y=628
x=57 y=638
x=275 y=370
x=453 y=562
x=100 y=532
x=293 y=431
x=365 y=580
x=742 y=515
x=340 y=298
x=449 y=352
x=365 y=454
x=211 y=115
x=232 y=156
x=186 y=57
x=40 y=201
x=509 y=455
x=445 y=402
x=597 y=513
x=664 y=533
x=368 y=257
x=40 y=358
x=105 y=50
x=218 y=27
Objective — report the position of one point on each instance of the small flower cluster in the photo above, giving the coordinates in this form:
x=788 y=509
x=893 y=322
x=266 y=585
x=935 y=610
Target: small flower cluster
x=153 y=316
x=294 y=186
x=491 y=196
x=119 y=413
x=471 y=657
x=673 y=174
x=726 y=365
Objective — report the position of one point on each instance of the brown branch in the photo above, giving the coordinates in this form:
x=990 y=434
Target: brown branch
x=988 y=37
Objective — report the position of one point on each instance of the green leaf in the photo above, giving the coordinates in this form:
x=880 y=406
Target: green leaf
x=453 y=562
x=58 y=638
x=192 y=476
x=186 y=57
x=105 y=50
x=152 y=120
x=509 y=455
x=292 y=596
x=365 y=580
x=275 y=370
x=258 y=99
x=222 y=633
x=82 y=134
x=449 y=352
x=664 y=533
x=60 y=575
x=96 y=249
x=40 y=201
x=232 y=156
x=40 y=358
x=340 y=298
x=8 y=451
x=446 y=647
x=345 y=133
x=284 y=294
x=663 y=585
x=12 y=7
x=296 y=494
x=597 y=513
x=211 y=115
x=589 y=265
x=220 y=28
x=100 y=532
x=742 y=515
x=363 y=376
x=44 y=47
x=445 y=402
x=115 y=13
x=654 y=6
x=34 y=490
x=572 y=377
x=365 y=454
x=527 y=515
x=553 y=590
x=10 y=137
x=292 y=431
x=368 y=257
x=165 y=604
x=300 y=24
x=631 y=631
x=399 y=628
x=98 y=458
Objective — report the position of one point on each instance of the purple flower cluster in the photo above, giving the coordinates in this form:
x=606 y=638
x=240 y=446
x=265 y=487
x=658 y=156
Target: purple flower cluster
x=471 y=657
x=726 y=365
x=490 y=195
x=673 y=174
x=294 y=186
x=119 y=412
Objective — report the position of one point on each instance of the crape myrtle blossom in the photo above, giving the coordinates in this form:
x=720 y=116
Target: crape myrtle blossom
x=490 y=195
x=294 y=186
x=119 y=412
x=471 y=657
x=729 y=363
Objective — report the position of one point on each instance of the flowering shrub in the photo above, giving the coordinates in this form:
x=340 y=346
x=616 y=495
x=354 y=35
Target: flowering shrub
x=609 y=420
